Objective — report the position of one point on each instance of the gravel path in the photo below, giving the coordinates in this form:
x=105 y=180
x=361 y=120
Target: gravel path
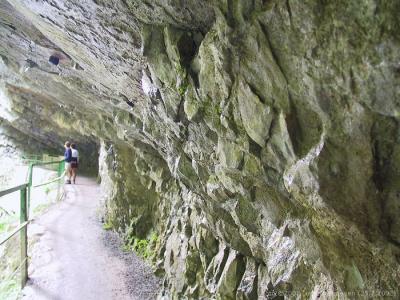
x=74 y=258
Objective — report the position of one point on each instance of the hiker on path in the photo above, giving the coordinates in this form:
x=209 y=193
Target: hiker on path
x=68 y=159
x=74 y=162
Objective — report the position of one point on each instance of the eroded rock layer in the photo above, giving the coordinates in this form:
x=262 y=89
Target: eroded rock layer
x=258 y=139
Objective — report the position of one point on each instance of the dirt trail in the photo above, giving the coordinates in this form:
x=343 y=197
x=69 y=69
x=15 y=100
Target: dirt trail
x=75 y=259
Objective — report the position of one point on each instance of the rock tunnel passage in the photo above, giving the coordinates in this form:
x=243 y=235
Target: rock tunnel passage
x=74 y=258
x=258 y=140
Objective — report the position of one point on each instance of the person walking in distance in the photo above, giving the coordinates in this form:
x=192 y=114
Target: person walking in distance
x=68 y=159
x=74 y=162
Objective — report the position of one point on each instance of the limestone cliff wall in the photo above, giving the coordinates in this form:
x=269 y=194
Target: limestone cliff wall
x=259 y=139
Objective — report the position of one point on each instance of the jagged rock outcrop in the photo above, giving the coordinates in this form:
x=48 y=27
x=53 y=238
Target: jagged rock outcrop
x=259 y=139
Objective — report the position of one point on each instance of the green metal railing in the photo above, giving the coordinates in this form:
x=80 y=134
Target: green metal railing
x=25 y=197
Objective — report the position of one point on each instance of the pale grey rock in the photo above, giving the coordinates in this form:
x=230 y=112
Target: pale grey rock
x=259 y=140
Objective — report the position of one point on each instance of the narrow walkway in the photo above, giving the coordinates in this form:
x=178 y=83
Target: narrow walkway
x=74 y=258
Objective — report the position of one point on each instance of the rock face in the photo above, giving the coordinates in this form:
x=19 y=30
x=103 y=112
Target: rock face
x=258 y=139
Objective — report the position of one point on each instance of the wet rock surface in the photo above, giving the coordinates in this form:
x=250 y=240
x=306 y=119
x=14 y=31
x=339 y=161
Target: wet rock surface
x=258 y=139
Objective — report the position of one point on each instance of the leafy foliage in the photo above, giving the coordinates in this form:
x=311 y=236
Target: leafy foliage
x=107 y=226
x=142 y=247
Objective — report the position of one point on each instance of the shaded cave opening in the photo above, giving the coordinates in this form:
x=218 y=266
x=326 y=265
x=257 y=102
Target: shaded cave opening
x=54 y=60
x=188 y=47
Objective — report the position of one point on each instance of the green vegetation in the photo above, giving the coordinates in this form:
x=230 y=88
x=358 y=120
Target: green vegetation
x=211 y=108
x=9 y=288
x=182 y=88
x=107 y=226
x=142 y=247
x=9 y=284
x=47 y=190
x=184 y=84
x=39 y=209
x=6 y=223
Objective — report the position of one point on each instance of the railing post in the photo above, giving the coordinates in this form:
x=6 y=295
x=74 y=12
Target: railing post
x=59 y=173
x=24 y=237
x=30 y=174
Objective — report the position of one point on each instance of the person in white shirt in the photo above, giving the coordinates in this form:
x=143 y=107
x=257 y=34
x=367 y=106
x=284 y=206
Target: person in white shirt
x=74 y=162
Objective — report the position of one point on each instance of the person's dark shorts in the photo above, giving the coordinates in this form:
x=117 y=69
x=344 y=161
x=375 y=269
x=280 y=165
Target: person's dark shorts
x=74 y=164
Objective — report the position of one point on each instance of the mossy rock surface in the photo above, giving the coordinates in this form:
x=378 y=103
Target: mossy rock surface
x=258 y=139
